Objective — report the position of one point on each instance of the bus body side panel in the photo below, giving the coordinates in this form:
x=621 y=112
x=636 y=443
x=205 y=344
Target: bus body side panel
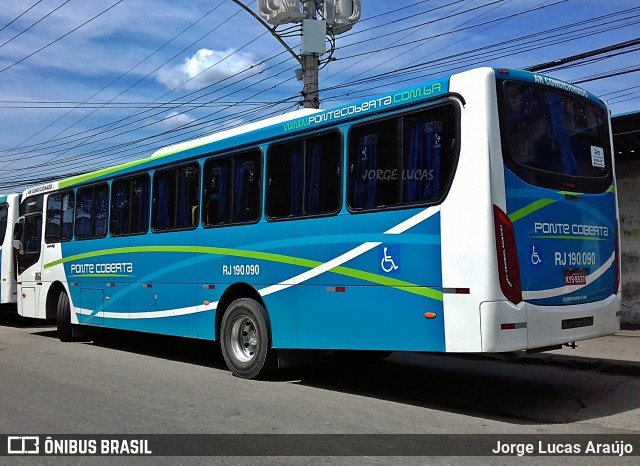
x=260 y=256
x=383 y=278
x=98 y=279
x=136 y=282
x=163 y=289
x=468 y=244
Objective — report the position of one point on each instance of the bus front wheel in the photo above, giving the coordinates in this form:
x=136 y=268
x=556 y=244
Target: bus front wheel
x=63 y=318
x=245 y=339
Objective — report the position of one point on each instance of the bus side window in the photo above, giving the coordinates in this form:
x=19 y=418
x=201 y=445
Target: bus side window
x=130 y=206
x=374 y=165
x=304 y=177
x=176 y=198
x=401 y=161
x=428 y=148
x=59 y=222
x=92 y=211
x=322 y=180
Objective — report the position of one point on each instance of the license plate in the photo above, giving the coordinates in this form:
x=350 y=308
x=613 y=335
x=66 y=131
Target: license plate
x=575 y=277
x=577 y=323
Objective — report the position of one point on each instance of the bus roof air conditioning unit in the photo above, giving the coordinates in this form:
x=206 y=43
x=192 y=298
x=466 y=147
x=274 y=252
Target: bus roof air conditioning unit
x=280 y=11
x=341 y=15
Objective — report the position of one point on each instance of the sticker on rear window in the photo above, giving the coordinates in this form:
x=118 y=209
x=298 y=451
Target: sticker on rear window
x=597 y=156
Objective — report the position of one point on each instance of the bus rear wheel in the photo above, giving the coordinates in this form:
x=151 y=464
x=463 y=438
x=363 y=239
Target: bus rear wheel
x=245 y=339
x=63 y=318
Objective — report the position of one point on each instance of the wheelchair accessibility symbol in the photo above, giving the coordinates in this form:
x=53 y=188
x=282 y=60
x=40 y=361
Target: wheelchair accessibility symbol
x=535 y=258
x=388 y=263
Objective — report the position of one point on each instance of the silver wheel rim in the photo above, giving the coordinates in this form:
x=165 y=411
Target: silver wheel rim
x=244 y=338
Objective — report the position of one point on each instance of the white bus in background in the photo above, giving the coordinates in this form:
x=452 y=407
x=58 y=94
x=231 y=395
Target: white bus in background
x=9 y=212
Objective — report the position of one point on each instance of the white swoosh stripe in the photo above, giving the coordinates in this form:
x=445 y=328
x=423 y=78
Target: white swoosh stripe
x=296 y=280
x=347 y=256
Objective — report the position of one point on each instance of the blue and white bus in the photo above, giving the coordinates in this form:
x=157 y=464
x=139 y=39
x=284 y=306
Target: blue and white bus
x=475 y=214
x=9 y=208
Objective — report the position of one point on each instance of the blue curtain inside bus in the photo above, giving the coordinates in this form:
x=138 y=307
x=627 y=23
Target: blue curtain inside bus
x=119 y=224
x=561 y=137
x=240 y=191
x=365 y=182
x=100 y=210
x=296 y=177
x=184 y=204
x=422 y=174
x=162 y=207
x=140 y=220
x=312 y=178
x=219 y=195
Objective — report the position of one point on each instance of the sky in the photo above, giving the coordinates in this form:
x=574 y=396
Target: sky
x=86 y=84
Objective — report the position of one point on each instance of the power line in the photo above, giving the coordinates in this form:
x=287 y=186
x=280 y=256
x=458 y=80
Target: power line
x=116 y=80
x=610 y=74
x=20 y=15
x=128 y=149
x=57 y=104
x=61 y=37
x=558 y=64
x=34 y=24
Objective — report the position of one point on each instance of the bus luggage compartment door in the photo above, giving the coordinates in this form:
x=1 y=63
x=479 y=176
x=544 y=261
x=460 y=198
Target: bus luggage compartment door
x=91 y=305
x=28 y=301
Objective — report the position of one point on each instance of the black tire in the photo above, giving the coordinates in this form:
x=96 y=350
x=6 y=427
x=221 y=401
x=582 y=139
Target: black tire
x=360 y=356
x=63 y=318
x=245 y=340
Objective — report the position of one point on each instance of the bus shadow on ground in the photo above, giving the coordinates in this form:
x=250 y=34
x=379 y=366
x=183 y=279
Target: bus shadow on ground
x=186 y=350
x=10 y=318
x=505 y=391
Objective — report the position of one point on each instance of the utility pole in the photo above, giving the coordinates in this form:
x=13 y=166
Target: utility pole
x=339 y=16
x=310 y=96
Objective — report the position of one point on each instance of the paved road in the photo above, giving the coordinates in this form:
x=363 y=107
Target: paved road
x=132 y=384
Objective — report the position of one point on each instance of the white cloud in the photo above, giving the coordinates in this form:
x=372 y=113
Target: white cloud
x=204 y=68
x=173 y=120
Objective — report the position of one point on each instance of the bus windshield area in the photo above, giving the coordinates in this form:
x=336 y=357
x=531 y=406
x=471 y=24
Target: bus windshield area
x=554 y=139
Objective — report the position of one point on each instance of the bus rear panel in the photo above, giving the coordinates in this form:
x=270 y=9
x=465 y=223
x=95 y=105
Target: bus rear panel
x=560 y=213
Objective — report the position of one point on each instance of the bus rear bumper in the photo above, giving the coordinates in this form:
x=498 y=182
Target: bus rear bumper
x=509 y=327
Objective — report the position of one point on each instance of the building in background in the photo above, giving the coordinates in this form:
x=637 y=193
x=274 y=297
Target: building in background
x=626 y=141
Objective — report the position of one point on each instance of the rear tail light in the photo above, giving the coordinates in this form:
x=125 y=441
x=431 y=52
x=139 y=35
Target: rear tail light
x=616 y=269
x=508 y=268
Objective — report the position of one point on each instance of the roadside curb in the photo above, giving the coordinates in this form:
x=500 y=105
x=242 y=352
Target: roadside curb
x=614 y=354
x=606 y=366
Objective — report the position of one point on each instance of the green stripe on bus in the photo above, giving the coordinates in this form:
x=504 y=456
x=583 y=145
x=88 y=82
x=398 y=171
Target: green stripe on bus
x=97 y=174
x=340 y=270
x=108 y=171
x=521 y=213
x=387 y=281
x=571 y=237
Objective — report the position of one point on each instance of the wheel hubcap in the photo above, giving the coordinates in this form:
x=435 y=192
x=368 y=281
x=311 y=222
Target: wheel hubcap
x=244 y=338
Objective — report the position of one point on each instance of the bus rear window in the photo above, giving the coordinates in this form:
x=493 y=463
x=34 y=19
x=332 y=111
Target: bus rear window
x=554 y=139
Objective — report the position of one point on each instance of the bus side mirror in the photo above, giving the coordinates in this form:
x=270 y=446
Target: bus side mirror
x=18 y=228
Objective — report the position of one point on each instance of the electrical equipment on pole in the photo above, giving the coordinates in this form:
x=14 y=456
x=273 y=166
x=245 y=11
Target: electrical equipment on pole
x=337 y=16
x=340 y=15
